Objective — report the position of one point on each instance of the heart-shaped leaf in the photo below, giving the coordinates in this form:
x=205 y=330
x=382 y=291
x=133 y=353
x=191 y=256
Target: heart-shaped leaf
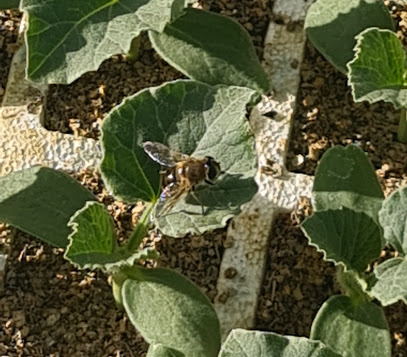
x=170 y=310
x=40 y=201
x=345 y=236
x=212 y=49
x=162 y=351
x=393 y=218
x=93 y=242
x=194 y=119
x=378 y=70
x=390 y=281
x=243 y=343
x=346 y=178
x=352 y=330
x=67 y=39
x=332 y=25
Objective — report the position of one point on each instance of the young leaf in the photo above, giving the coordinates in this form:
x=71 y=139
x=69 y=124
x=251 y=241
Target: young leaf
x=195 y=119
x=346 y=178
x=393 y=218
x=352 y=330
x=345 y=236
x=243 y=343
x=93 y=241
x=162 y=351
x=9 y=4
x=67 y=39
x=40 y=201
x=378 y=70
x=170 y=310
x=390 y=281
x=332 y=25
x=212 y=49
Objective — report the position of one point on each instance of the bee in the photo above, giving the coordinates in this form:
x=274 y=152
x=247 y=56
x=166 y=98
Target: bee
x=181 y=173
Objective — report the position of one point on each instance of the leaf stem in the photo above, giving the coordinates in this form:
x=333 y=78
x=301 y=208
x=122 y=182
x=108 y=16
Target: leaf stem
x=141 y=228
x=402 y=129
x=117 y=282
x=134 y=50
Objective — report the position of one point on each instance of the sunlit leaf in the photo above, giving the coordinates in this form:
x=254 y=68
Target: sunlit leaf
x=352 y=330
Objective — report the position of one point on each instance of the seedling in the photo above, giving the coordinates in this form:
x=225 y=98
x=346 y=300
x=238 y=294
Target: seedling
x=206 y=116
x=170 y=312
x=358 y=38
x=350 y=225
x=67 y=39
x=191 y=117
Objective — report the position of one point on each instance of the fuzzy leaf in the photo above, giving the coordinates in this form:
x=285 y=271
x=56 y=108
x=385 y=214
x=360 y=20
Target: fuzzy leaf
x=67 y=39
x=93 y=242
x=162 y=351
x=352 y=330
x=378 y=70
x=243 y=343
x=390 y=281
x=346 y=178
x=195 y=119
x=345 y=236
x=40 y=201
x=212 y=49
x=221 y=202
x=393 y=219
x=332 y=25
x=170 y=310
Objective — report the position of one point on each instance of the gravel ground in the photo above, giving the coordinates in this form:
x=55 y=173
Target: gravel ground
x=48 y=308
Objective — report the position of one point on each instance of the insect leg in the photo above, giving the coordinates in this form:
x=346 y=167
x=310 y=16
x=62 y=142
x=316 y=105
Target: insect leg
x=197 y=199
x=170 y=201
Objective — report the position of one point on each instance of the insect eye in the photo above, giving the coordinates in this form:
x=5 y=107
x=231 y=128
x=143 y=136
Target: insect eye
x=213 y=169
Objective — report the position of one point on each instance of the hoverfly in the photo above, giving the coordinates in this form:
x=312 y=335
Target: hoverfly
x=181 y=174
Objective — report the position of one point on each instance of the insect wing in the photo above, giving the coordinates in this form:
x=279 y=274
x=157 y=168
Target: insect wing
x=162 y=154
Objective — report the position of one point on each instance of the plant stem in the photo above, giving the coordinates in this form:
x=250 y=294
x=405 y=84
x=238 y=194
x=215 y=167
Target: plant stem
x=402 y=129
x=117 y=282
x=141 y=228
x=134 y=50
x=352 y=285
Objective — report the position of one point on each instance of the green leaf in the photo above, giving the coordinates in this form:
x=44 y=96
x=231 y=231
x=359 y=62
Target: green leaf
x=170 y=310
x=243 y=343
x=332 y=25
x=393 y=218
x=345 y=236
x=221 y=202
x=40 y=201
x=378 y=70
x=390 y=283
x=9 y=4
x=162 y=351
x=345 y=177
x=67 y=39
x=212 y=49
x=353 y=330
x=93 y=242
x=195 y=119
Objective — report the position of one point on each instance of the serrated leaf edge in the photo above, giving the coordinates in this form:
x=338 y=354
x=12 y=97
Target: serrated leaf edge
x=323 y=251
x=357 y=49
x=110 y=268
